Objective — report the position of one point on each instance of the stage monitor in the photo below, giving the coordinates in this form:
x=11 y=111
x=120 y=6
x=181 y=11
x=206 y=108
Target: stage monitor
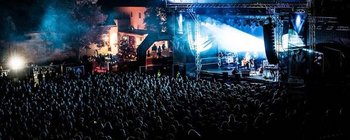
x=235 y=1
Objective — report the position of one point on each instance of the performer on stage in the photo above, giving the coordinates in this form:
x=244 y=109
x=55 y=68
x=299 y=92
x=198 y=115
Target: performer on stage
x=246 y=60
x=221 y=54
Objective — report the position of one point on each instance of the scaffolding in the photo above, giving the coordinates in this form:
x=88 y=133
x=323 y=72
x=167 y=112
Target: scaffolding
x=195 y=42
x=236 y=5
x=273 y=10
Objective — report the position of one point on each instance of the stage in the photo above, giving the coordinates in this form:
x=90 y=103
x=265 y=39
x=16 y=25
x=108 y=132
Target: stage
x=241 y=75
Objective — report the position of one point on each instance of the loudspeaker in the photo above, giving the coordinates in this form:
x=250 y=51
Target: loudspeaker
x=269 y=39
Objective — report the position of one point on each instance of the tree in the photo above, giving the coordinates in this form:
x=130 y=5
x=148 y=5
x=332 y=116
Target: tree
x=126 y=52
x=74 y=23
x=156 y=19
x=9 y=28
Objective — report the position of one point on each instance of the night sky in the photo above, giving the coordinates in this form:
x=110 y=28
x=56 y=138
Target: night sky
x=27 y=14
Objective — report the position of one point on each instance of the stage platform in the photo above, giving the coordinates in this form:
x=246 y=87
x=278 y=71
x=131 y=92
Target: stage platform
x=253 y=76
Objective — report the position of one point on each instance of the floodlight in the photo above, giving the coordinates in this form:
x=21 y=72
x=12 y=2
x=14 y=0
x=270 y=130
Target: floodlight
x=16 y=63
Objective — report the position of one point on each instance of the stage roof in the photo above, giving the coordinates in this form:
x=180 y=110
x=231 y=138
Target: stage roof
x=235 y=1
x=242 y=4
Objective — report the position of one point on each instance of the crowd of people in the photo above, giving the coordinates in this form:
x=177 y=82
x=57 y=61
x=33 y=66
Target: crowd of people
x=137 y=106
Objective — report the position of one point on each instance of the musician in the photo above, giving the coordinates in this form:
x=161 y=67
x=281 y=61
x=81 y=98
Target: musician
x=221 y=54
x=220 y=57
x=260 y=70
x=246 y=61
x=251 y=63
x=255 y=61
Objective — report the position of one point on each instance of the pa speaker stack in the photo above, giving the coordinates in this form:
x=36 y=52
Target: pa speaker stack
x=269 y=39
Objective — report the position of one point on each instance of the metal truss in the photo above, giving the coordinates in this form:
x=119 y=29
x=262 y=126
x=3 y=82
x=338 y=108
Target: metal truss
x=195 y=47
x=312 y=32
x=272 y=10
x=236 y=5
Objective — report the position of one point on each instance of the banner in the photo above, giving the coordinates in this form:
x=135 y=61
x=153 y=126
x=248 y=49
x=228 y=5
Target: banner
x=298 y=29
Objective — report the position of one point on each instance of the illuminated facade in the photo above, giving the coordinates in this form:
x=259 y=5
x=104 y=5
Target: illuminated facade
x=135 y=32
x=136 y=15
x=128 y=26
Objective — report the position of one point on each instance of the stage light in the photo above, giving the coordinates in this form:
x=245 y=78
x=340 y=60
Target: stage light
x=203 y=44
x=234 y=40
x=298 y=21
x=16 y=63
x=179 y=23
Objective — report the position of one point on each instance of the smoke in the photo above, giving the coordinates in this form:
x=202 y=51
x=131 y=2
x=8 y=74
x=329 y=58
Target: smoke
x=64 y=30
x=235 y=39
x=54 y=28
x=61 y=29
x=37 y=50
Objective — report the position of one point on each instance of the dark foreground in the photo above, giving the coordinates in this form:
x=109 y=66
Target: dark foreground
x=138 y=106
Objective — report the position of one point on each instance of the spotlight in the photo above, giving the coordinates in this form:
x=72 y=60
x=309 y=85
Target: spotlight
x=16 y=63
x=235 y=40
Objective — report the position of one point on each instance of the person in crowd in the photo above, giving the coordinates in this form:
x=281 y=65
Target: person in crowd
x=148 y=53
x=147 y=107
x=40 y=76
x=163 y=47
x=159 y=52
